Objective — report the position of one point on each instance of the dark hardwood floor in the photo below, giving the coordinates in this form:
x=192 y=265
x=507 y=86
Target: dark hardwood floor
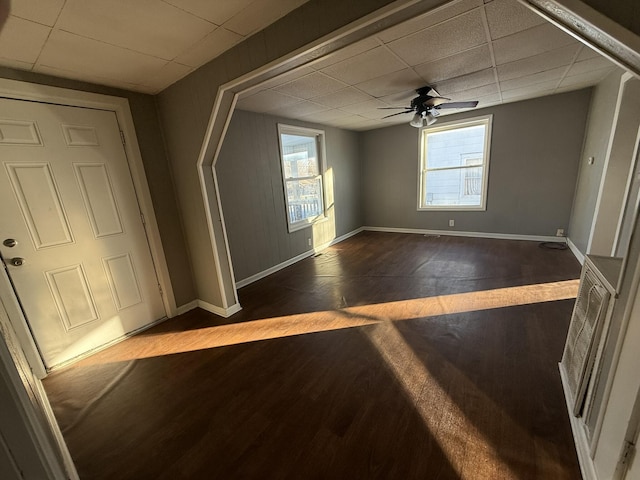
x=388 y=356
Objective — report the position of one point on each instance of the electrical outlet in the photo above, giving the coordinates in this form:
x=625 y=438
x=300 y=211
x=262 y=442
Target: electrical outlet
x=452 y=223
x=560 y=232
x=309 y=241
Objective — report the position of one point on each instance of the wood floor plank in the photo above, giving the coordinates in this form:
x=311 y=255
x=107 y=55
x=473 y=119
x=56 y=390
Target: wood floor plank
x=388 y=356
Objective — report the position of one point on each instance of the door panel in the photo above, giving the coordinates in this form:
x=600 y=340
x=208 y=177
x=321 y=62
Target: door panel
x=68 y=199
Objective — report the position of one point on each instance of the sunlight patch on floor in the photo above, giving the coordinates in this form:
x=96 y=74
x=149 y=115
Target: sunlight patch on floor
x=472 y=449
x=146 y=346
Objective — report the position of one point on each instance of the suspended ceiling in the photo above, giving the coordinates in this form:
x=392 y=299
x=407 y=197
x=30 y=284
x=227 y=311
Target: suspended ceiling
x=494 y=51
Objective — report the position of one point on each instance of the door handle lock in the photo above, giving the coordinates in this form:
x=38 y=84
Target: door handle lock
x=17 y=261
x=10 y=242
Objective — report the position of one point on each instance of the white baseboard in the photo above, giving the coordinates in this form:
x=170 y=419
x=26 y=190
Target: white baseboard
x=186 y=307
x=455 y=233
x=265 y=273
x=579 y=436
x=223 y=312
x=577 y=253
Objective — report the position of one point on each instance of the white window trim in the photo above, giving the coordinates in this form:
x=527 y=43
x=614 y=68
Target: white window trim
x=320 y=146
x=481 y=120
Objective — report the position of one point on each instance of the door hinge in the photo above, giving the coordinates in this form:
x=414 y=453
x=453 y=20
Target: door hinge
x=160 y=288
x=144 y=222
x=122 y=137
x=628 y=450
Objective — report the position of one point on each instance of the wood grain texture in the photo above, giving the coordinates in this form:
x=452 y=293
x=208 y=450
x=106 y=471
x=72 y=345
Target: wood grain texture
x=370 y=387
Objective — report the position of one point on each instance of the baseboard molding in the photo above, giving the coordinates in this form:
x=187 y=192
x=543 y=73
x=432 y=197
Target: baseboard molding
x=577 y=253
x=455 y=233
x=265 y=273
x=223 y=312
x=579 y=436
x=187 y=307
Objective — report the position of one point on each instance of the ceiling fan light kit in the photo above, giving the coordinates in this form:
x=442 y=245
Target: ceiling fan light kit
x=427 y=105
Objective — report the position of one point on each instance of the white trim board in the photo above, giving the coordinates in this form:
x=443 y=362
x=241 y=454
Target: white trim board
x=265 y=273
x=222 y=312
x=587 y=467
x=576 y=253
x=455 y=233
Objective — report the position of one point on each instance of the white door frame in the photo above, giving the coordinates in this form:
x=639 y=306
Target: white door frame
x=120 y=106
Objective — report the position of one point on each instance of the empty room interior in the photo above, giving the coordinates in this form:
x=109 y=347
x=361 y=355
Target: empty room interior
x=319 y=239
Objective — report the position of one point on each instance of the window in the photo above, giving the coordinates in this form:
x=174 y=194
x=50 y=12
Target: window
x=454 y=165
x=301 y=151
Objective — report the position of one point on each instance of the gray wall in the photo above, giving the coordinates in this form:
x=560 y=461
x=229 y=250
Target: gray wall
x=251 y=190
x=598 y=131
x=624 y=12
x=156 y=165
x=185 y=108
x=535 y=150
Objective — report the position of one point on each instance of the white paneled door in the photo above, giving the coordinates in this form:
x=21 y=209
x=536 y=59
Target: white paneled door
x=72 y=235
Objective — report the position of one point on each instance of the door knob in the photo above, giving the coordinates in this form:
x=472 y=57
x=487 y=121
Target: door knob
x=17 y=261
x=10 y=242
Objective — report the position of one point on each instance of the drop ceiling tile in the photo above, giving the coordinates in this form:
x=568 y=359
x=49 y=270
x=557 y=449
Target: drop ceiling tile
x=17 y=64
x=260 y=14
x=22 y=40
x=340 y=98
x=534 y=41
x=216 y=12
x=466 y=82
x=399 y=99
x=371 y=64
x=586 y=79
x=428 y=19
x=78 y=54
x=488 y=100
x=265 y=101
x=344 y=53
x=165 y=76
x=442 y=40
x=110 y=82
x=44 y=12
x=587 y=53
x=536 y=78
x=349 y=121
x=209 y=47
x=473 y=60
x=538 y=63
x=367 y=108
x=396 y=82
x=324 y=116
x=592 y=64
x=298 y=110
x=310 y=86
x=118 y=22
x=530 y=91
x=506 y=17
x=283 y=78
x=472 y=93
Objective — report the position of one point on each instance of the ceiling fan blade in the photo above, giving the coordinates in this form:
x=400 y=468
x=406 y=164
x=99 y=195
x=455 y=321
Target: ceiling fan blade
x=393 y=108
x=399 y=113
x=472 y=104
x=435 y=101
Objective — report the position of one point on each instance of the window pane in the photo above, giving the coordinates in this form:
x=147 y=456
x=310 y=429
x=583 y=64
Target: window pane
x=299 y=156
x=454 y=148
x=304 y=198
x=461 y=186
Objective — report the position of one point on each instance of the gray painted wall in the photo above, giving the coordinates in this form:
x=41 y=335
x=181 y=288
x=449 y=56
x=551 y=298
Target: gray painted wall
x=251 y=190
x=598 y=131
x=535 y=149
x=185 y=108
x=156 y=165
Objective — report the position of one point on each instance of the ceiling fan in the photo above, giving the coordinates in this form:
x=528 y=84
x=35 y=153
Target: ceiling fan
x=427 y=105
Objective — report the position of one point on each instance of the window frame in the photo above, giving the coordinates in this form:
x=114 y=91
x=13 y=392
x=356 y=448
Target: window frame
x=320 y=148
x=487 y=121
